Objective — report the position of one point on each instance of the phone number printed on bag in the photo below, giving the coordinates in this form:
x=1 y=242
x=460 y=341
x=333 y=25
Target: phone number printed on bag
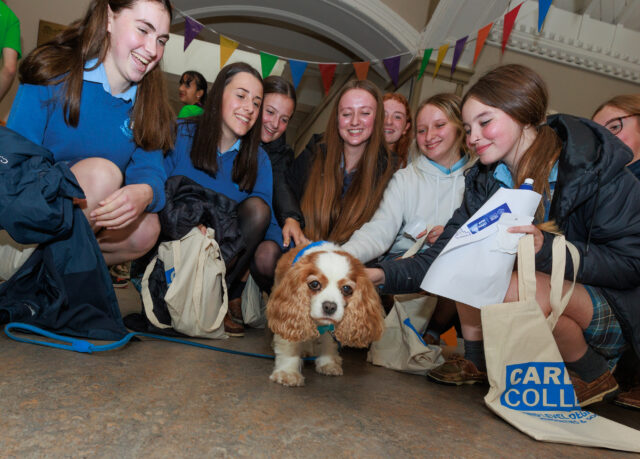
x=539 y=386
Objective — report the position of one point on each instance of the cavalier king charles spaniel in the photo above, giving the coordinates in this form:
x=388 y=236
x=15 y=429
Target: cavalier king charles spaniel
x=317 y=288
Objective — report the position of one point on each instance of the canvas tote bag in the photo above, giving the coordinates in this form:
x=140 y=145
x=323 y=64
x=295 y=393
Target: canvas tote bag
x=254 y=308
x=530 y=386
x=12 y=255
x=401 y=346
x=196 y=296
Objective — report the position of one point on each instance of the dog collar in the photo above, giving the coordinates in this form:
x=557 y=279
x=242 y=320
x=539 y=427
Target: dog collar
x=322 y=329
x=302 y=252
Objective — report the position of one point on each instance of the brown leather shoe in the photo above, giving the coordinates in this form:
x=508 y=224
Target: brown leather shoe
x=235 y=309
x=629 y=399
x=604 y=386
x=456 y=371
x=232 y=328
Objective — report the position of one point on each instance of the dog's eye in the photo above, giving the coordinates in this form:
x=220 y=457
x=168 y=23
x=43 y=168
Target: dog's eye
x=346 y=290
x=314 y=285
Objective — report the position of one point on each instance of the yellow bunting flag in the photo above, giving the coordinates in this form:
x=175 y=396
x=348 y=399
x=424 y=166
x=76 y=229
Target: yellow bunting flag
x=227 y=47
x=442 y=52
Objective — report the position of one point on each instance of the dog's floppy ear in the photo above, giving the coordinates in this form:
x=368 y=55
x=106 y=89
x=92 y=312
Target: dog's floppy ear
x=288 y=311
x=363 y=320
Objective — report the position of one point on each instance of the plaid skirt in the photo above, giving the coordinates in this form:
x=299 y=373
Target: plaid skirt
x=604 y=333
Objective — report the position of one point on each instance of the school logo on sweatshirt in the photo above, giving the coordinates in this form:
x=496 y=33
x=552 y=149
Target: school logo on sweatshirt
x=539 y=386
x=127 y=128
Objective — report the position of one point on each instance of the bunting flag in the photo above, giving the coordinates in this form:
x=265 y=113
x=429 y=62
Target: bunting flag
x=543 y=9
x=297 y=69
x=482 y=37
x=457 y=52
x=227 y=47
x=327 y=71
x=267 y=61
x=191 y=29
x=362 y=69
x=392 y=64
x=425 y=61
x=509 y=20
x=442 y=52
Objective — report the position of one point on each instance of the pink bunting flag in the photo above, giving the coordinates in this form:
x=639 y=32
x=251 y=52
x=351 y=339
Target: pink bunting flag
x=457 y=52
x=392 y=64
x=327 y=71
x=482 y=37
x=191 y=29
x=509 y=20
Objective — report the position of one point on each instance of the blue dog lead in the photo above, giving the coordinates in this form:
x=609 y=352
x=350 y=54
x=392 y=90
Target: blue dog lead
x=80 y=345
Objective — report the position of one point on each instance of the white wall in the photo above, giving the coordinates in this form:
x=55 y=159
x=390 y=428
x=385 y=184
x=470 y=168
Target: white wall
x=30 y=12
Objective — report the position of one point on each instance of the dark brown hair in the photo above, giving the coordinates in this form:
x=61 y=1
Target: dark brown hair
x=522 y=94
x=200 y=81
x=402 y=145
x=204 y=150
x=275 y=84
x=63 y=59
x=327 y=214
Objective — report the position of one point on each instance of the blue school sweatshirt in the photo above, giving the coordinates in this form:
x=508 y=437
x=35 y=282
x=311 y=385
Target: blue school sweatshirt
x=178 y=162
x=103 y=129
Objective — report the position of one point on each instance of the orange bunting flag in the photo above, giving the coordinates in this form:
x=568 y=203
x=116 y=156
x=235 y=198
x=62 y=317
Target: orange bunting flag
x=482 y=37
x=442 y=52
x=362 y=69
x=227 y=47
x=509 y=20
x=327 y=71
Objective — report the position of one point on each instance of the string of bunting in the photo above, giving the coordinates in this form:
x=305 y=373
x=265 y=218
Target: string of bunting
x=392 y=64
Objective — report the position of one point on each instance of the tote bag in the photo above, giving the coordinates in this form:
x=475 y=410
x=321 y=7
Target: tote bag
x=401 y=346
x=530 y=386
x=196 y=297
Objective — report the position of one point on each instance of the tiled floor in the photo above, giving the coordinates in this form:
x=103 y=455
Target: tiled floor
x=159 y=399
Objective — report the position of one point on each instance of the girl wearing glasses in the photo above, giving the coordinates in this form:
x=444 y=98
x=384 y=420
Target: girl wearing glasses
x=621 y=115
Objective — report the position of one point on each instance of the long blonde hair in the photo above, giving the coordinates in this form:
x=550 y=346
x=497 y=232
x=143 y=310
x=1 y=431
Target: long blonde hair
x=328 y=215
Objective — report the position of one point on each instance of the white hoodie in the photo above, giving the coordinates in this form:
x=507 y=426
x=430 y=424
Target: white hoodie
x=419 y=191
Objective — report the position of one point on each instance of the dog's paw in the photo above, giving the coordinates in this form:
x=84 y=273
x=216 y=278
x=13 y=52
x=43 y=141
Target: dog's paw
x=290 y=379
x=330 y=368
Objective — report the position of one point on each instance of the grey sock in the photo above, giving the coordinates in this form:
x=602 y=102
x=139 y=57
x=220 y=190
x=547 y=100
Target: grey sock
x=474 y=351
x=590 y=366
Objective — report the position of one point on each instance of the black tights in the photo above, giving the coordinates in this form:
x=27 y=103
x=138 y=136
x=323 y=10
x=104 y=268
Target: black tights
x=254 y=216
x=263 y=265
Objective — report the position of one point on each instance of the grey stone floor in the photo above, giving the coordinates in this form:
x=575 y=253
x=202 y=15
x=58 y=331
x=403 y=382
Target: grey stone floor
x=159 y=399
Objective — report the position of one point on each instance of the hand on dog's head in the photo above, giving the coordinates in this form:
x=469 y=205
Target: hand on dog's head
x=325 y=285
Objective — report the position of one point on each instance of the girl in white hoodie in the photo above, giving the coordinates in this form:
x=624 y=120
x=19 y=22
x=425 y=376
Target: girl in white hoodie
x=427 y=191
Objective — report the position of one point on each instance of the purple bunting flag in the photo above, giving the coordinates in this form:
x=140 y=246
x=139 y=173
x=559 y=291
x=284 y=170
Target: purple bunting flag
x=457 y=52
x=191 y=29
x=392 y=64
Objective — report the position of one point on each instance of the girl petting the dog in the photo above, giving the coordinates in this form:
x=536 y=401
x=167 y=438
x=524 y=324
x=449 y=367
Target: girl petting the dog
x=427 y=192
x=341 y=178
x=588 y=195
x=96 y=98
x=220 y=150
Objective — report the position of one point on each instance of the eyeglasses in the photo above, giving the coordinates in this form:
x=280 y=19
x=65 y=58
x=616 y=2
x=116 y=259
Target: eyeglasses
x=615 y=125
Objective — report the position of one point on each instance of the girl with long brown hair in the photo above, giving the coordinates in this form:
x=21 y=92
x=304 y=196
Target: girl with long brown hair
x=96 y=98
x=341 y=179
x=587 y=194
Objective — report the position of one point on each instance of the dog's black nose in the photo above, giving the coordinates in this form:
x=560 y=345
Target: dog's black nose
x=329 y=307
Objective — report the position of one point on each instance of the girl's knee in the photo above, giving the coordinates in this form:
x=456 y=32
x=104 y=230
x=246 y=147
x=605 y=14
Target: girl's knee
x=145 y=236
x=98 y=177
